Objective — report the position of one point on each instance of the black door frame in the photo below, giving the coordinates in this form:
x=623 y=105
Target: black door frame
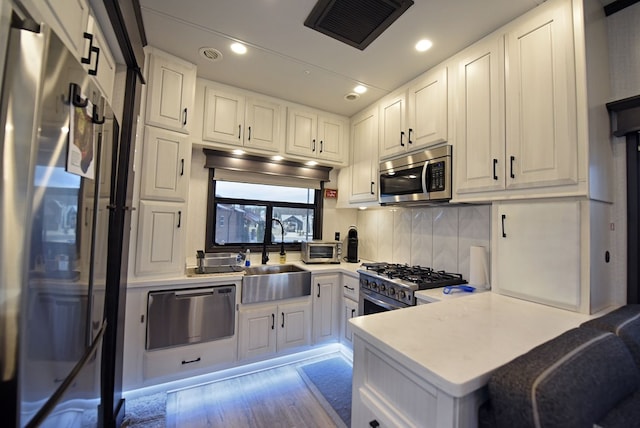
x=633 y=216
x=625 y=122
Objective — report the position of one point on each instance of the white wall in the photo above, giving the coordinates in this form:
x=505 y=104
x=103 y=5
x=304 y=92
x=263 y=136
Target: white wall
x=436 y=237
x=624 y=68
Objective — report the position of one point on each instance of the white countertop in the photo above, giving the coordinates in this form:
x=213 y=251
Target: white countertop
x=190 y=278
x=455 y=344
x=437 y=295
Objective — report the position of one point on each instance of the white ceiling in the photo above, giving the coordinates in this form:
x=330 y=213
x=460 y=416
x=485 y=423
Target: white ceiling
x=292 y=62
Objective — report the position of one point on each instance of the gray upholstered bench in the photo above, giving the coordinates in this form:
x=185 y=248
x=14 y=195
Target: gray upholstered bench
x=586 y=377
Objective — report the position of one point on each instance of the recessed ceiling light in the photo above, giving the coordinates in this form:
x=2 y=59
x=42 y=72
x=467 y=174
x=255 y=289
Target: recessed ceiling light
x=423 y=45
x=360 y=89
x=239 y=48
x=238 y=152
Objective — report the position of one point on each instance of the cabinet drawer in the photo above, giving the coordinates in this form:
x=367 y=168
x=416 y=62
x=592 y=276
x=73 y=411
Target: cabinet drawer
x=200 y=357
x=350 y=287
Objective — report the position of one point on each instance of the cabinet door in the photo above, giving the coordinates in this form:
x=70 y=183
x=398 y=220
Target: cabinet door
x=161 y=228
x=301 y=133
x=223 y=117
x=480 y=116
x=393 y=139
x=294 y=324
x=165 y=164
x=257 y=332
x=171 y=93
x=364 y=157
x=541 y=139
x=427 y=110
x=262 y=129
x=68 y=18
x=332 y=139
x=101 y=63
x=349 y=310
x=537 y=251
x=325 y=308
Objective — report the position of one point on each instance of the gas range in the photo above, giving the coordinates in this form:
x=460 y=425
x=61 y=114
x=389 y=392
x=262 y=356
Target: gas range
x=395 y=284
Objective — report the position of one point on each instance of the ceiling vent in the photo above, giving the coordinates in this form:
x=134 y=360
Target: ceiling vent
x=355 y=22
x=211 y=54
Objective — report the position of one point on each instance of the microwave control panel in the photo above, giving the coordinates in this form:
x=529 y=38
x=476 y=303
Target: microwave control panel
x=436 y=177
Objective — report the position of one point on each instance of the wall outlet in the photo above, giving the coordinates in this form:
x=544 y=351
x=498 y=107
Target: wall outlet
x=337 y=236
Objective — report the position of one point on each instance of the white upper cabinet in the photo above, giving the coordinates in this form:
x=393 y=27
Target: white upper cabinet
x=317 y=136
x=166 y=161
x=245 y=121
x=364 y=156
x=161 y=236
x=68 y=18
x=542 y=146
x=170 y=93
x=479 y=148
x=427 y=109
x=528 y=146
x=73 y=22
x=98 y=60
x=393 y=138
x=415 y=116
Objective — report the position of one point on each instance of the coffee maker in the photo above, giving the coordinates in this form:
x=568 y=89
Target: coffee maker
x=352 y=245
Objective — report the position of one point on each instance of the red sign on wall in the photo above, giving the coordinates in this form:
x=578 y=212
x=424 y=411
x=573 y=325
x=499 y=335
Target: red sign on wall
x=330 y=193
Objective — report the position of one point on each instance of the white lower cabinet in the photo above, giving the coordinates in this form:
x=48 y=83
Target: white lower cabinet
x=349 y=310
x=269 y=328
x=350 y=293
x=326 y=297
x=388 y=394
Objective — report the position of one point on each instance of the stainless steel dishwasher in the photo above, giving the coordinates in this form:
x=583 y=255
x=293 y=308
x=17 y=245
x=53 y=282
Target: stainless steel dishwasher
x=188 y=316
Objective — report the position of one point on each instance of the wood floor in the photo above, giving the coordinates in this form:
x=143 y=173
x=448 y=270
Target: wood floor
x=277 y=397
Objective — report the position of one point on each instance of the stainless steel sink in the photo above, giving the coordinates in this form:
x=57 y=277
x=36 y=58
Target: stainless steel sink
x=274 y=282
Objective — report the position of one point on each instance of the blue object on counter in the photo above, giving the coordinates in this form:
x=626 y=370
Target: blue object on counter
x=452 y=288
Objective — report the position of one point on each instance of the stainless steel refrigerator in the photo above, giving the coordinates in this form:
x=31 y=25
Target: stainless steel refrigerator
x=58 y=140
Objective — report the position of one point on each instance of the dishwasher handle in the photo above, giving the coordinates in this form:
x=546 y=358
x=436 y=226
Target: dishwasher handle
x=186 y=294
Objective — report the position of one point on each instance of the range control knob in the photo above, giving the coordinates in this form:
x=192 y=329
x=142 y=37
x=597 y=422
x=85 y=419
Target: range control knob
x=373 y=285
x=402 y=294
x=392 y=291
x=382 y=287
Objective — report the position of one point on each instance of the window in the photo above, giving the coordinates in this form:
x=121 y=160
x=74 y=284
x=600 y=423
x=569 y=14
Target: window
x=245 y=214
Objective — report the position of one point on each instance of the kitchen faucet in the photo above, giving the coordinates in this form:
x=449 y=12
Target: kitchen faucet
x=265 y=254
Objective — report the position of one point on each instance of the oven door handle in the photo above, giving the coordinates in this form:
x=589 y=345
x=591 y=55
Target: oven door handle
x=381 y=303
x=425 y=170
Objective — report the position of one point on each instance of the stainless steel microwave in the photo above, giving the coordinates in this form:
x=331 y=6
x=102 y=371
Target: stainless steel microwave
x=419 y=177
x=321 y=252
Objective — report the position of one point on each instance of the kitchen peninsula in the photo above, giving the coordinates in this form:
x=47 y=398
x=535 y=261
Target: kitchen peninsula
x=428 y=365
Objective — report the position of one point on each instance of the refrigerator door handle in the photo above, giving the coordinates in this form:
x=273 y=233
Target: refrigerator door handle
x=75 y=96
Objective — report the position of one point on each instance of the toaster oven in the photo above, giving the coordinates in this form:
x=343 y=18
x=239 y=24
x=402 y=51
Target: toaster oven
x=321 y=252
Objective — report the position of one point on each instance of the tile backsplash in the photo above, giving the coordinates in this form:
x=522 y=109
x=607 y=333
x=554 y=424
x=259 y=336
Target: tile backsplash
x=438 y=237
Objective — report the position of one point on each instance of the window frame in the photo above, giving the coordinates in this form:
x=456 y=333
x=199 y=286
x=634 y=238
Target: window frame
x=210 y=245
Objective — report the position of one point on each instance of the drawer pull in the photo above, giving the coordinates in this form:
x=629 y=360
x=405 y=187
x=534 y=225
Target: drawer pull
x=283 y=320
x=374 y=424
x=350 y=288
x=191 y=361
